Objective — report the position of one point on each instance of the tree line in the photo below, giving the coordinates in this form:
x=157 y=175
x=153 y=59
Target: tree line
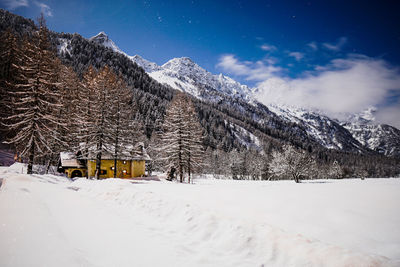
x=75 y=110
x=47 y=109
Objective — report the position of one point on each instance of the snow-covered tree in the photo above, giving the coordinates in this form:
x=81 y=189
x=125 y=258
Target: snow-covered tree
x=291 y=163
x=335 y=170
x=182 y=137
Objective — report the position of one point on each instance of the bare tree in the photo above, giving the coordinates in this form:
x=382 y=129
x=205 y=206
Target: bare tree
x=36 y=98
x=291 y=163
x=335 y=170
x=182 y=137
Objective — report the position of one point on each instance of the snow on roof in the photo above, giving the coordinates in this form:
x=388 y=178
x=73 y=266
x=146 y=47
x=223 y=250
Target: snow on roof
x=127 y=152
x=68 y=159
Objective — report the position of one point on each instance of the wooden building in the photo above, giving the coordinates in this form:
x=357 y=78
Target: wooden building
x=130 y=163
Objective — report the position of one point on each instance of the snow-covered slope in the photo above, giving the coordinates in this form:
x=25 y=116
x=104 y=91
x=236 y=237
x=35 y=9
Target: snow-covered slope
x=326 y=131
x=48 y=220
x=356 y=134
x=102 y=39
x=182 y=74
x=382 y=138
x=189 y=76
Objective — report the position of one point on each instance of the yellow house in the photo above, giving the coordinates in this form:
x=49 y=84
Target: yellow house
x=127 y=168
x=130 y=163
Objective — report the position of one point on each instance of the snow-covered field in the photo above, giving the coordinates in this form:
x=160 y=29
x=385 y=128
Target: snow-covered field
x=47 y=220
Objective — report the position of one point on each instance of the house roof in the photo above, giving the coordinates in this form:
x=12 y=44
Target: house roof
x=127 y=152
x=68 y=159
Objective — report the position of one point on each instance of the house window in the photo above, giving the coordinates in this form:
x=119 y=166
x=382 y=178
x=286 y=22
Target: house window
x=103 y=172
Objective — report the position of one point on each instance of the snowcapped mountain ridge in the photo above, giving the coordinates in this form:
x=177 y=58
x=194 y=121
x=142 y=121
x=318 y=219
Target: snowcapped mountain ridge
x=182 y=73
x=358 y=131
x=102 y=39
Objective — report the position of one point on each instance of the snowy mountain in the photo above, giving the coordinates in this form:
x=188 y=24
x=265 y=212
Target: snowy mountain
x=358 y=133
x=182 y=73
x=326 y=131
x=102 y=39
x=382 y=138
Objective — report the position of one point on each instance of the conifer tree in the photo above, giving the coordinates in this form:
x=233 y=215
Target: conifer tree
x=100 y=123
x=36 y=98
x=182 y=137
x=11 y=57
x=65 y=133
x=194 y=137
x=123 y=128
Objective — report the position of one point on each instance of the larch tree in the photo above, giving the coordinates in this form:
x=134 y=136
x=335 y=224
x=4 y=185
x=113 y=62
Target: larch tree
x=194 y=137
x=66 y=113
x=182 y=137
x=9 y=66
x=124 y=128
x=98 y=123
x=36 y=98
x=106 y=116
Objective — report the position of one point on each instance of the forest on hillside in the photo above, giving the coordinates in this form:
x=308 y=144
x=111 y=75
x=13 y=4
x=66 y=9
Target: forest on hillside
x=52 y=101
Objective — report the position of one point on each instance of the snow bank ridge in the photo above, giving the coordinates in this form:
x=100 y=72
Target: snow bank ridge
x=233 y=241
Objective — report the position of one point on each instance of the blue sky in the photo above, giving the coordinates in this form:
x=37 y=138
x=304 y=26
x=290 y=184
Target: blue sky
x=279 y=46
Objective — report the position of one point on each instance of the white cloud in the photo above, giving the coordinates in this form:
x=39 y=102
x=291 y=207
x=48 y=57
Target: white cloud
x=336 y=46
x=297 y=55
x=267 y=47
x=313 y=46
x=45 y=9
x=254 y=71
x=389 y=115
x=13 y=4
x=345 y=85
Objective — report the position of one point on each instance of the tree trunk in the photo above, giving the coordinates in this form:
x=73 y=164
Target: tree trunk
x=49 y=162
x=98 y=165
x=31 y=157
x=116 y=142
x=296 y=178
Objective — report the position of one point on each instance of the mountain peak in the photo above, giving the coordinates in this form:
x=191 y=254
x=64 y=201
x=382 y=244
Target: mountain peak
x=366 y=116
x=183 y=66
x=148 y=66
x=100 y=36
x=102 y=39
x=180 y=61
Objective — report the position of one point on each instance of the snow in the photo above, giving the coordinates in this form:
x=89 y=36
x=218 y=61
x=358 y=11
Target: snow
x=47 y=220
x=183 y=74
x=64 y=46
x=245 y=137
x=103 y=39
